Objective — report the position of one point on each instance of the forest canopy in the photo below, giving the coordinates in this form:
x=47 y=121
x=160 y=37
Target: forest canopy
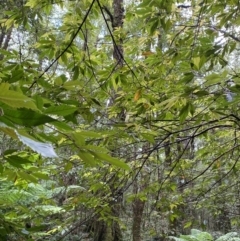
x=119 y=119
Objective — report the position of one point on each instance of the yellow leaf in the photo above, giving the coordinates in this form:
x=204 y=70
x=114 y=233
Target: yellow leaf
x=218 y=164
x=137 y=95
x=146 y=106
x=147 y=53
x=196 y=62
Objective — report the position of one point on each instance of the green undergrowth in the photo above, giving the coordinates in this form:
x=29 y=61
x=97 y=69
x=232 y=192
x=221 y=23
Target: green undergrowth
x=197 y=235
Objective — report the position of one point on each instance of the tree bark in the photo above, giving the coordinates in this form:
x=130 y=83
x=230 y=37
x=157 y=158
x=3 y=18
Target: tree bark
x=118 y=15
x=138 y=208
x=138 y=204
x=104 y=231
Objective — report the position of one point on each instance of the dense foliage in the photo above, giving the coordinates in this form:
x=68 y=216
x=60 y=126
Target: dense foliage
x=119 y=120
x=197 y=235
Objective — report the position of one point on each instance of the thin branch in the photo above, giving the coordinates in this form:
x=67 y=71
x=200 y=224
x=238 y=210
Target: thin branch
x=226 y=33
x=206 y=169
x=68 y=46
x=114 y=42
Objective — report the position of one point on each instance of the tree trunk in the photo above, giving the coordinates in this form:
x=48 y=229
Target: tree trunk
x=184 y=150
x=5 y=37
x=222 y=222
x=138 y=205
x=138 y=208
x=104 y=231
x=118 y=11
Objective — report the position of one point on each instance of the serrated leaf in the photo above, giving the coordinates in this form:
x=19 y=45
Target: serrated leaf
x=87 y=158
x=200 y=93
x=188 y=224
x=15 y=99
x=68 y=166
x=188 y=77
x=90 y=134
x=72 y=85
x=184 y=113
x=25 y=117
x=62 y=126
x=78 y=138
x=27 y=177
x=137 y=95
x=154 y=26
x=143 y=11
x=31 y=3
x=9 y=131
x=196 y=62
x=214 y=78
x=95 y=148
x=38 y=101
x=64 y=58
x=96 y=101
x=75 y=73
x=145 y=3
x=16 y=160
x=112 y=160
x=148 y=137
x=61 y=110
x=41 y=175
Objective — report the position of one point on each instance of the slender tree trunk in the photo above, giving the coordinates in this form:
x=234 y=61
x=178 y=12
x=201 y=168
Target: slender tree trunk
x=85 y=44
x=5 y=37
x=184 y=150
x=138 y=205
x=222 y=221
x=118 y=15
x=104 y=231
x=2 y=35
x=138 y=208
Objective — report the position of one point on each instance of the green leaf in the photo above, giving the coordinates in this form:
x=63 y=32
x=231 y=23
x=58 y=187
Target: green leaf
x=75 y=72
x=144 y=11
x=9 y=131
x=196 y=62
x=72 y=85
x=148 y=137
x=87 y=158
x=38 y=101
x=78 y=138
x=188 y=77
x=68 y=166
x=64 y=58
x=25 y=117
x=61 y=110
x=112 y=160
x=31 y=3
x=146 y=3
x=16 y=160
x=188 y=224
x=41 y=175
x=90 y=134
x=15 y=99
x=95 y=148
x=214 y=78
x=184 y=113
x=62 y=126
x=154 y=26
x=27 y=177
